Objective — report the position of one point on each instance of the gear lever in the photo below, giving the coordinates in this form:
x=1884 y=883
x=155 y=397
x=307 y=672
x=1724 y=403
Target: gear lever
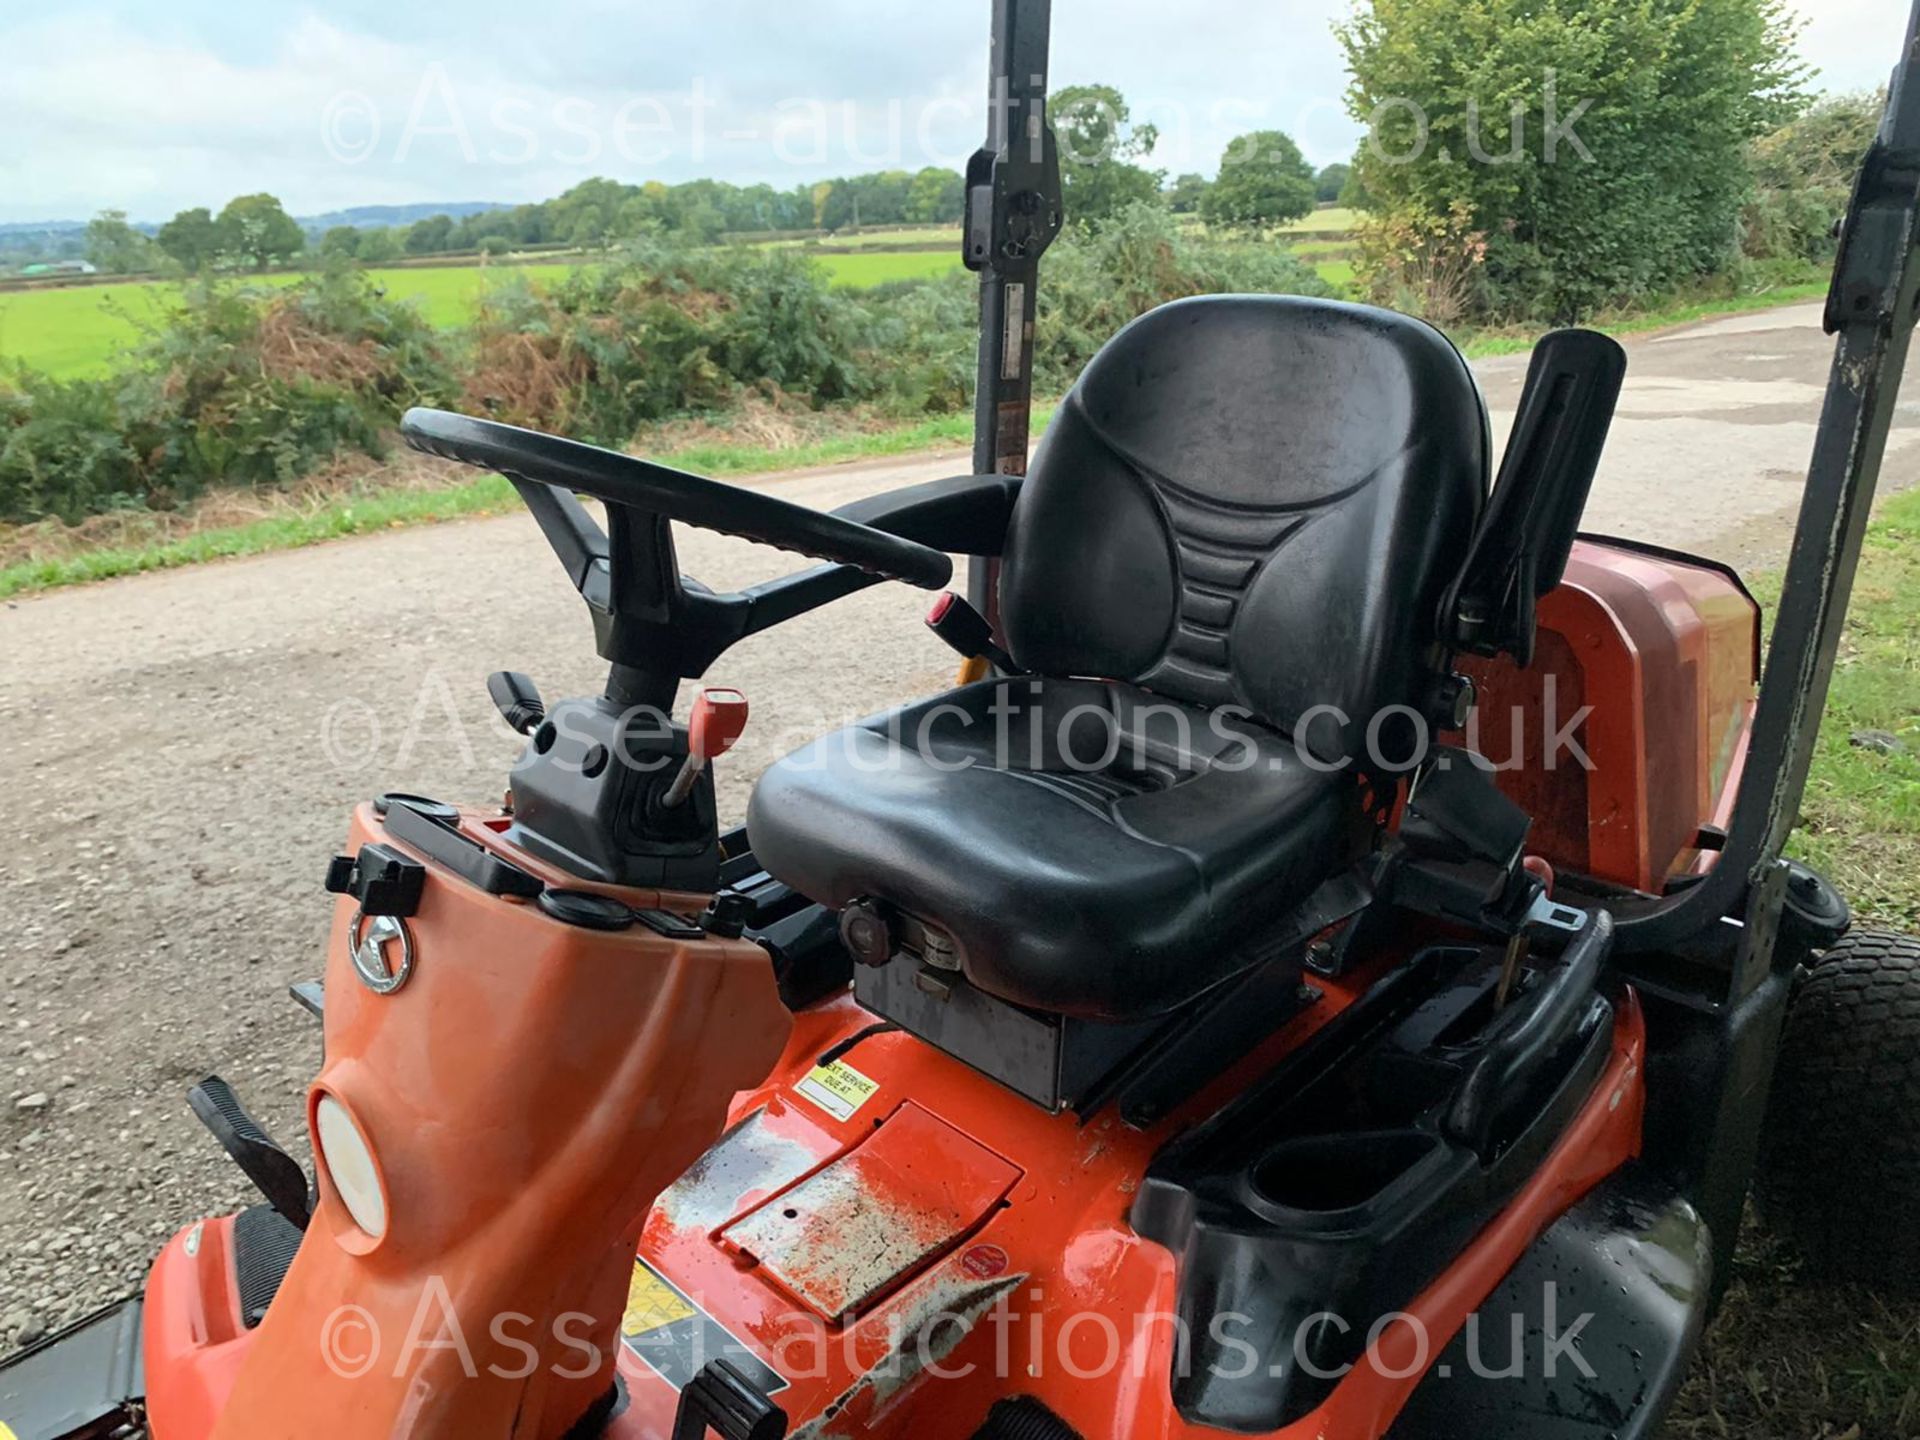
x=718 y=718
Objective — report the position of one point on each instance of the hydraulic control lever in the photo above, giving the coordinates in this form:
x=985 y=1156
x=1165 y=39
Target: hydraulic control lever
x=719 y=717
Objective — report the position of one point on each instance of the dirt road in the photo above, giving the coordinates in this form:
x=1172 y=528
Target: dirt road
x=182 y=749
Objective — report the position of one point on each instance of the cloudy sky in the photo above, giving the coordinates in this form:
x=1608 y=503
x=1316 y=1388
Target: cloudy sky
x=152 y=108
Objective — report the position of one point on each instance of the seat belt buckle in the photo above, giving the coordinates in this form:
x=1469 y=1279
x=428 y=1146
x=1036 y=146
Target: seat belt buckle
x=965 y=631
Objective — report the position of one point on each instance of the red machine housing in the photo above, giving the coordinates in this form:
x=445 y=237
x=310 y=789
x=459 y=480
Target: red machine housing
x=887 y=1240
x=1627 y=734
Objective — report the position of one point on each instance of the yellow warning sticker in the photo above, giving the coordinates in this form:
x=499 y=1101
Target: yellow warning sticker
x=6 y=1431
x=652 y=1304
x=838 y=1089
x=676 y=1339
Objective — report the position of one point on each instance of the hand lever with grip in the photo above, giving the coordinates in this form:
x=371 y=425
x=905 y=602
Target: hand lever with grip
x=518 y=699
x=718 y=718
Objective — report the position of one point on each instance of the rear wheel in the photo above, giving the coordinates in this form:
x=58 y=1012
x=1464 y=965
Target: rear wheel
x=1840 y=1170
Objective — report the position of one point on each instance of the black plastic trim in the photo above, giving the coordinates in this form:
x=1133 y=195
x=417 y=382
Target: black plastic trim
x=1635 y=1260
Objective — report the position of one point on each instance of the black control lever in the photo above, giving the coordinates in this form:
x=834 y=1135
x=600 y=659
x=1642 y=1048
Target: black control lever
x=518 y=699
x=1526 y=1038
x=275 y=1173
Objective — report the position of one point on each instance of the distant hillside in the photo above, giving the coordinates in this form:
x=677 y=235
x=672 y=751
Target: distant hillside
x=373 y=217
x=22 y=242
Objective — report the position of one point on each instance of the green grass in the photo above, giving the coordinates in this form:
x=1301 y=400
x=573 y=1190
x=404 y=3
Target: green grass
x=75 y=332
x=1860 y=820
x=1662 y=316
x=84 y=330
x=1337 y=273
x=861 y=272
x=1335 y=221
x=1791 y=1356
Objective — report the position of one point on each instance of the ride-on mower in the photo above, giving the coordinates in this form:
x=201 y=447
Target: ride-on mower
x=1320 y=973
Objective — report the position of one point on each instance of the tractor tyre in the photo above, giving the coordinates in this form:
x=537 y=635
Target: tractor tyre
x=1840 y=1164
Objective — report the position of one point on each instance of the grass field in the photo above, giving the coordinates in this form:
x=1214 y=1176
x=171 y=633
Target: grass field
x=882 y=239
x=1336 y=221
x=857 y=272
x=82 y=330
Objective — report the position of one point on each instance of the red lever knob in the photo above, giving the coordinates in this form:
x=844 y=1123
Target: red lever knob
x=719 y=716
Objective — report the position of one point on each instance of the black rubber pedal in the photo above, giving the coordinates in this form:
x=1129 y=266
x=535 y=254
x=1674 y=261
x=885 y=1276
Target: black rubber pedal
x=722 y=1401
x=264 y=1244
x=275 y=1173
x=1024 y=1418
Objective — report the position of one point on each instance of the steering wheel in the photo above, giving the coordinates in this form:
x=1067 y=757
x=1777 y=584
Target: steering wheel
x=647 y=617
x=528 y=455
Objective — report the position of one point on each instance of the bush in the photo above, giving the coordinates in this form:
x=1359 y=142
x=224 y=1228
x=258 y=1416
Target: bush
x=660 y=332
x=1803 y=177
x=1431 y=266
x=64 y=449
x=234 y=387
x=1643 y=191
x=1092 y=285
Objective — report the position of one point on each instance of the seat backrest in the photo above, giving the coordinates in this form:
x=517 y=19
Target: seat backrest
x=1256 y=501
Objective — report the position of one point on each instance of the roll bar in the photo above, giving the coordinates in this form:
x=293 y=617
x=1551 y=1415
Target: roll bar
x=1871 y=308
x=1013 y=214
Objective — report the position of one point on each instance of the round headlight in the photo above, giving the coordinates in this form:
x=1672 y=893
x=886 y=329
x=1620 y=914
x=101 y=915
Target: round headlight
x=349 y=1161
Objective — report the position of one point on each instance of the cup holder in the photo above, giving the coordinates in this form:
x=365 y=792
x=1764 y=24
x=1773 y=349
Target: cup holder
x=1326 y=1174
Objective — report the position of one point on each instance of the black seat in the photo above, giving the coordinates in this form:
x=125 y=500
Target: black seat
x=1243 y=519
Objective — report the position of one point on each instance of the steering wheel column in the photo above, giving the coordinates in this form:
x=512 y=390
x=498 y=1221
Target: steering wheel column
x=590 y=792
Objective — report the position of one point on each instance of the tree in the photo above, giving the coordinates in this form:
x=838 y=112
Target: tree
x=937 y=196
x=115 y=246
x=1600 y=148
x=342 y=241
x=379 y=247
x=256 y=231
x=1330 y=182
x=1185 y=195
x=1098 y=144
x=191 y=239
x=1803 y=176
x=1354 y=194
x=431 y=236
x=1264 y=182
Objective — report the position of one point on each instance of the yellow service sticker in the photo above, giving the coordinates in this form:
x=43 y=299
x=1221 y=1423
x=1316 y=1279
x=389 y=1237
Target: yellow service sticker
x=838 y=1089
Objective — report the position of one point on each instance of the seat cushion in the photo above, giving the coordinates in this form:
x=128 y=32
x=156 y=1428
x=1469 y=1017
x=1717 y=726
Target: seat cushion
x=1091 y=849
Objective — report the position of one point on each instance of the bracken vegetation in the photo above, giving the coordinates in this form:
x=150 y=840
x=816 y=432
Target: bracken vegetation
x=240 y=386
